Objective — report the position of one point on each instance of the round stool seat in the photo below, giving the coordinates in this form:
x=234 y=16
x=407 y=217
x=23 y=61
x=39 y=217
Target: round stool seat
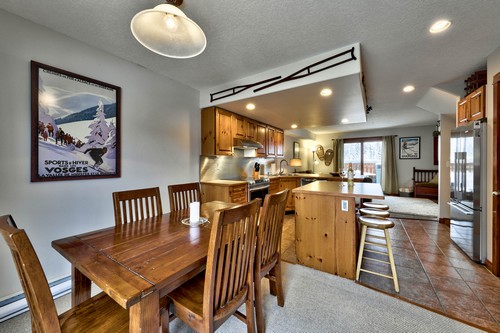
x=374 y=212
x=375 y=205
x=376 y=222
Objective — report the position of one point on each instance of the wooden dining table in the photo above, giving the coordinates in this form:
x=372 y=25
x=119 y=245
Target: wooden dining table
x=138 y=263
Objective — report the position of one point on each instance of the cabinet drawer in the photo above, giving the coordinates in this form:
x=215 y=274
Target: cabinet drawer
x=238 y=194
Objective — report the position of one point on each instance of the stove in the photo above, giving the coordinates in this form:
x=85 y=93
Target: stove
x=255 y=184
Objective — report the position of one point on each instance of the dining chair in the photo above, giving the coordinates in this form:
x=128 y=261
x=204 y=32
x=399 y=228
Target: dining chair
x=181 y=195
x=134 y=205
x=207 y=300
x=97 y=314
x=268 y=252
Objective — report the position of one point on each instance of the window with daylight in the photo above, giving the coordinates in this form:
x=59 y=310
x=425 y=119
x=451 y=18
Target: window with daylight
x=365 y=154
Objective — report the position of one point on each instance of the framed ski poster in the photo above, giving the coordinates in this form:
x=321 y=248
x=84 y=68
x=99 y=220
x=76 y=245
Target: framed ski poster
x=75 y=126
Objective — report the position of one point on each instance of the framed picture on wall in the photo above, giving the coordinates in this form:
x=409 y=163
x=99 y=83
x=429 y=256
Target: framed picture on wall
x=409 y=148
x=296 y=149
x=75 y=126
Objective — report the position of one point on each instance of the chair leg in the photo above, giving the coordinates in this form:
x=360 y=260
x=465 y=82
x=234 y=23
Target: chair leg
x=391 y=260
x=278 y=283
x=361 y=249
x=272 y=281
x=259 y=312
x=250 y=314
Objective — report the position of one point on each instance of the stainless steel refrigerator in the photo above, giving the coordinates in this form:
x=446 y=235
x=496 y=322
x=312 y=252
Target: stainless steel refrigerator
x=468 y=189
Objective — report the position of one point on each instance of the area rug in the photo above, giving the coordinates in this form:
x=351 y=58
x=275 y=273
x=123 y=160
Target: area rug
x=411 y=207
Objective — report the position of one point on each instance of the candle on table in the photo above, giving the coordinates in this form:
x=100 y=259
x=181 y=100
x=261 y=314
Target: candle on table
x=194 y=212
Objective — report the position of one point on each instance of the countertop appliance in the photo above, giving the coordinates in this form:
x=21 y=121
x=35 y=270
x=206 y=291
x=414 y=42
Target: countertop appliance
x=468 y=189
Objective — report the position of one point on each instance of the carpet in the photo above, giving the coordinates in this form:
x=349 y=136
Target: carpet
x=407 y=206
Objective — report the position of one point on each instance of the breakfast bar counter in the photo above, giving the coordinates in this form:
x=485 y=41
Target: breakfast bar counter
x=325 y=224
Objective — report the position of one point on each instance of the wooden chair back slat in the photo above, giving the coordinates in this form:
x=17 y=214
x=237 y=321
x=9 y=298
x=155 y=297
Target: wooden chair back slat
x=229 y=276
x=181 y=195
x=135 y=205
x=36 y=288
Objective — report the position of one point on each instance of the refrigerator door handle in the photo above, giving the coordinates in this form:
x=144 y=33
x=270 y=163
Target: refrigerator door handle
x=466 y=212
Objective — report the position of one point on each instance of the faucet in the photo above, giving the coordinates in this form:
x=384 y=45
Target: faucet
x=281 y=168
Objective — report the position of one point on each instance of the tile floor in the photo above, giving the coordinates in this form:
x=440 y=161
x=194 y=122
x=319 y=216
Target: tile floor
x=432 y=273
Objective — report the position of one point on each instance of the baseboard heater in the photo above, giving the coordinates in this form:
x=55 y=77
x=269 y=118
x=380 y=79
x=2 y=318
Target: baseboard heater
x=17 y=304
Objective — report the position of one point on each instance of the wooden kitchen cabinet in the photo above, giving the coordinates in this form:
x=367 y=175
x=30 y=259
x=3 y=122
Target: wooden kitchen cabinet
x=270 y=137
x=477 y=104
x=261 y=130
x=220 y=127
x=275 y=142
x=274 y=185
x=239 y=126
x=216 y=132
x=227 y=191
x=279 y=143
x=472 y=107
x=289 y=183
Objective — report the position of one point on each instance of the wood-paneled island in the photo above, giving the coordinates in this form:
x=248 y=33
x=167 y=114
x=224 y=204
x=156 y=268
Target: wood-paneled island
x=325 y=224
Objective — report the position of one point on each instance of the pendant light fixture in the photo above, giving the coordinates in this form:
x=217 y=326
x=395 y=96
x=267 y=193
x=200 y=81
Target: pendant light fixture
x=166 y=30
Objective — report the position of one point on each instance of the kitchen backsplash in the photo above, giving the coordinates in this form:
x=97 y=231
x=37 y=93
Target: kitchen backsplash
x=230 y=167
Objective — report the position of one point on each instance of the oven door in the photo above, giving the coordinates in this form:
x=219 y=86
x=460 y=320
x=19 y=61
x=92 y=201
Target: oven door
x=259 y=192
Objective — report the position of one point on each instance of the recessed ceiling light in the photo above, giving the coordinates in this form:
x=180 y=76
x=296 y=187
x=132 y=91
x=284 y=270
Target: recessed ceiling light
x=326 y=92
x=408 y=89
x=344 y=121
x=440 y=26
x=250 y=106
x=294 y=126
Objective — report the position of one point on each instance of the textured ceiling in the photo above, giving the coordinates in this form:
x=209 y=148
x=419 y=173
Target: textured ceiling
x=248 y=37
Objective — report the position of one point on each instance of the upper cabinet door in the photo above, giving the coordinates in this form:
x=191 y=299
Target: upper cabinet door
x=239 y=127
x=279 y=143
x=224 y=142
x=270 y=142
x=251 y=127
x=261 y=137
x=477 y=106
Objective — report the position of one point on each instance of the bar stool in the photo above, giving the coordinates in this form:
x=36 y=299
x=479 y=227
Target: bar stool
x=375 y=205
x=374 y=212
x=378 y=223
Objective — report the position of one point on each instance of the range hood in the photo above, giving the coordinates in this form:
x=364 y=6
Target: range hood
x=247 y=144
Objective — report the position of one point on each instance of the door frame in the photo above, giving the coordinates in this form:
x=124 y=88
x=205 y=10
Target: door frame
x=496 y=177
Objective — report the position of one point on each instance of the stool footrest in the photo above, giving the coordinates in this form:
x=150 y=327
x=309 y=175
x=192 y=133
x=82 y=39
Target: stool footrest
x=376 y=273
x=376 y=244
x=378 y=252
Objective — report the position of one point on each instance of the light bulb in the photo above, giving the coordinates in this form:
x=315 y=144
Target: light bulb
x=171 y=22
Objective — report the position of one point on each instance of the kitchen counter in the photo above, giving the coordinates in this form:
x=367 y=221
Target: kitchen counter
x=224 y=182
x=325 y=225
x=320 y=176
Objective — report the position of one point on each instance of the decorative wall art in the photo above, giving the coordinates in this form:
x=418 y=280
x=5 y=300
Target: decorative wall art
x=409 y=148
x=296 y=149
x=75 y=126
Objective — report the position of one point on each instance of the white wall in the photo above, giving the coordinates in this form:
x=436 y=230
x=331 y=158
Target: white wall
x=160 y=133
x=405 y=167
x=493 y=67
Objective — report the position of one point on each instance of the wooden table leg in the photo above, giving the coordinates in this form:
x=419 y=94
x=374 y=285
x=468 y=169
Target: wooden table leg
x=80 y=287
x=145 y=315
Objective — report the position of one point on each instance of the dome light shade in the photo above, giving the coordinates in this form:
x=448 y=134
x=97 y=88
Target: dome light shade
x=166 y=30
